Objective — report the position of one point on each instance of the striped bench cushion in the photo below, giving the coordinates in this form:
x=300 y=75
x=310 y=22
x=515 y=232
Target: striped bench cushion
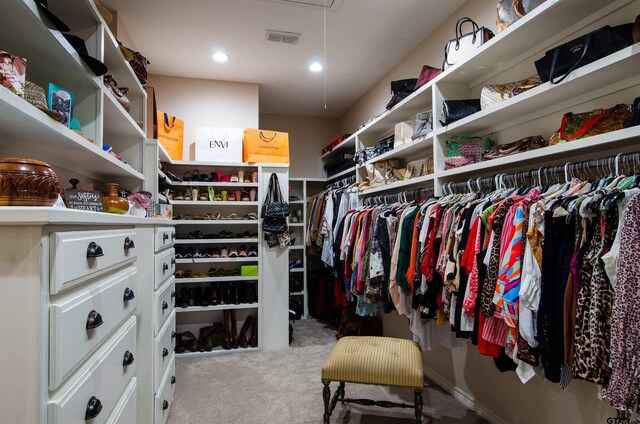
x=375 y=360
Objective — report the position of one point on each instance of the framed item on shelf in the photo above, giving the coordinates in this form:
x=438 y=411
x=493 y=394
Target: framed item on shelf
x=219 y=144
x=12 y=72
x=84 y=200
x=61 y=101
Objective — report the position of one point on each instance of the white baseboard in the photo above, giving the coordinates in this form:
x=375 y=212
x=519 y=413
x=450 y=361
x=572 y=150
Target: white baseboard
x=464 y=397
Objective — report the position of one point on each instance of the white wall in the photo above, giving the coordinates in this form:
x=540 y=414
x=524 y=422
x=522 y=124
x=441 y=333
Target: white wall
x=307 y=137
x=206 y=103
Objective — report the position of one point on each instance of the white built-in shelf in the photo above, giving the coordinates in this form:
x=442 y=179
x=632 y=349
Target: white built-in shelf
x=34 y=215
x=296 y=270
x=299 y=293
x=348 y=143
x=192 y=309
x=295 y=247
x=297 y=224
x=619 y=68
x=342 y=174
x=215 y=221
x=162 y=154
x=219 y=164
x=118 y=123
x=296 y=202
x=408 y=151
x=162 y=174
x=39 y=136
x=218 y=351
x=399 y=185
x=214 y=203
x=217 y=241
x=216 y=260
x=215 y=279
x=212 y=184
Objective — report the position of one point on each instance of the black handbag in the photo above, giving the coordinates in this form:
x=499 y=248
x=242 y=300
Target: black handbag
x=400 y=90
x=274 y=205
x=559 y=62
x=274 y=225
x=386 y=144
x=634 y=119
x=454 y=110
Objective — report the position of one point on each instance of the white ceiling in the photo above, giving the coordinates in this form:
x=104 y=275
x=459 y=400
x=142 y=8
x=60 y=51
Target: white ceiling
x=365 y=39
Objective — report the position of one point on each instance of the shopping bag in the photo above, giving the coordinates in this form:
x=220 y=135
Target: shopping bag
x=262 y=146
x=171 y=134
x=219 y=144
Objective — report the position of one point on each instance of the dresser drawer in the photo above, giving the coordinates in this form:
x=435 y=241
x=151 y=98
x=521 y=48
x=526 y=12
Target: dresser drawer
x=101 y=384
x=164 y=395
x=165 y=237
x=163 y=305
x=163 y=347
x=165 y=266
x=101 y=307
x=77 y=256
x=126 y=410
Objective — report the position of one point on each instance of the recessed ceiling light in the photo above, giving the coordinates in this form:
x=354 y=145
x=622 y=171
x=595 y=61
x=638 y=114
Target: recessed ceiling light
x=220 y=57
x=315 y=67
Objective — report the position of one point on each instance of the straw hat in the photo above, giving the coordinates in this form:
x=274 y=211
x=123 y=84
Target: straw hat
x=35 y=95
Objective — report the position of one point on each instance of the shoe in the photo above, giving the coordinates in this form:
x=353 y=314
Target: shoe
x=233 y=252
x=243 y=341
x=215 y=252
x=186 y=176
x=242 y=292
x=226 y=342
x=253 y=341
x=184 y=298
x=179 y=252
x=252 y=252
x=224 y=252
x=243 y=251
x=191 y=298
x=233 y=179
x=234 y=329
x=195 y=175
x=232 y=197
x=254 y=177
x=190 y=341
x=206 y=297
x=226 y=294
x=214 y=177
x=245 y=195
x=180 y=347
x=252 y=291
x=235 y=294
x=240 y=176
x=213 y=301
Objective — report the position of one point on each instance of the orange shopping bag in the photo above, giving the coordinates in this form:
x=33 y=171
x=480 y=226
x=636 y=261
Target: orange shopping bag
x=171 y=134
x=263 y=146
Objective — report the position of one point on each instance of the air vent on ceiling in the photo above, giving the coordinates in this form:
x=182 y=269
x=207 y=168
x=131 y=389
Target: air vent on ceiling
x=283 y=37
x=315 y=4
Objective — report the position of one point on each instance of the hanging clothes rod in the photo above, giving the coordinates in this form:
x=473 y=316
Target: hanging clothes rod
x=403 y=196
x=342 y=183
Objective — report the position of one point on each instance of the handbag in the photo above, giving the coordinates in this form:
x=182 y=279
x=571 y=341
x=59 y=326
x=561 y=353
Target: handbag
x=120 y=93
x=171 y=134
x=274 y=225
x=452 y=162
x=403 y=133
x=419 y=168
x=559 y=62
x=138 y=63
x=393 y=171
x=510 y=11
x=582 y=125
x=427 y=74
x=274 y=205
x=522 y=145
x=495 y=93
x=400 y=89
x=386 y=144
x=634 y=119
x=375 y=174
x=463 y=46
x=365 y=154
x=262 y=146
x=424 y=124
x=454 y=110
x=464 y=150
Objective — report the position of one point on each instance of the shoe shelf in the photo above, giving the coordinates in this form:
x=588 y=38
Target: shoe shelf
x=191 y=309
x=299 y=293
x=216 y=260
x=118 y=122
x=215 y=279
x=217 y=241
x=296 y=270
x=296 y=202
x=225 y=165
x=296 y=247
x=296 y=224
x=211 y=184
x=215 y=221
x=219 y=351
x=212 y=203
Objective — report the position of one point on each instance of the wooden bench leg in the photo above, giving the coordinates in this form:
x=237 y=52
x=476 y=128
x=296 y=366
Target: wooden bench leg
x=326 y=395
x=418 y=403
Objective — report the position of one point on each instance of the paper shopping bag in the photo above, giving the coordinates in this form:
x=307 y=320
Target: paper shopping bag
x=171 y=134
x=262 y=146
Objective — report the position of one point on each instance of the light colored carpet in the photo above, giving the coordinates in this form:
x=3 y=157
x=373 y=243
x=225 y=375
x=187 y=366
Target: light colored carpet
x=284 y=387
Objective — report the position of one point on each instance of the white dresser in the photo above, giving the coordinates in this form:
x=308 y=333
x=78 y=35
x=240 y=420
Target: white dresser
x=82 y=298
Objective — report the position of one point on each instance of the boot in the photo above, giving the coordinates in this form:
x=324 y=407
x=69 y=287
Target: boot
x=217 y=335
x=206 y=297
x=197 y=300
x=226 y=293
x=204 y=341
x=214 y=295
x=234 y=329
x=242 y=338
x=242 y=292
x=184 y=297
x=226 y=342
x=252 y=292
x=253 y=342
x=180 y=347
x=190 y=341
x=235 y=294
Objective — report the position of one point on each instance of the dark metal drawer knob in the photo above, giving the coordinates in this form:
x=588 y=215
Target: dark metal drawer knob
x=173 y=261
x=128 y=359
x=94 y=320
x=165 y=305
x=173 y=294
x=94 y=406
x=128 y=243
x=165 y=237
x=173 y=236
x=165 y=267
x=173 y=334
x=128 y=294
x=94 y=250
x=165 y=352
x=173 y=379
x=165 y=405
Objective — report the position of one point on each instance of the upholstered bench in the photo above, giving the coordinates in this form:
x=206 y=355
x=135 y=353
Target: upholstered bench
x=382 y=361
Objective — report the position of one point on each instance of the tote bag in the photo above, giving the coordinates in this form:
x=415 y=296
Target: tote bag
x=263 y=146
x=214 y=144
x=171 y=134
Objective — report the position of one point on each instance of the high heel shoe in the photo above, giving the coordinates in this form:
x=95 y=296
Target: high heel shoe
x=242 y=337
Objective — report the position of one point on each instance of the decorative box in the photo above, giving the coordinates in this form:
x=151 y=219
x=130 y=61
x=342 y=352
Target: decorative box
x=249 y=270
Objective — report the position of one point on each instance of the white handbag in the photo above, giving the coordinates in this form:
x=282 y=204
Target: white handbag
x=375 y=174
x=464 y=45
x=403 y=132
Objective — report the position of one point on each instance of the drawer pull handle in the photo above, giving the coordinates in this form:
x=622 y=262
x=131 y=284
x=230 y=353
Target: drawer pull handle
x=173 y=379
x=173 y=236
x=165 y=267
x=94 y=406
x=165 y=237
x=128 y=294
x=173 y=261
x=128 y=243
x=165 y=305
x=128 y=359
x=173 y=334
x=94 y=320
x=173 y=294
x=165 y=405
x=165 y=352
x=94 y=250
